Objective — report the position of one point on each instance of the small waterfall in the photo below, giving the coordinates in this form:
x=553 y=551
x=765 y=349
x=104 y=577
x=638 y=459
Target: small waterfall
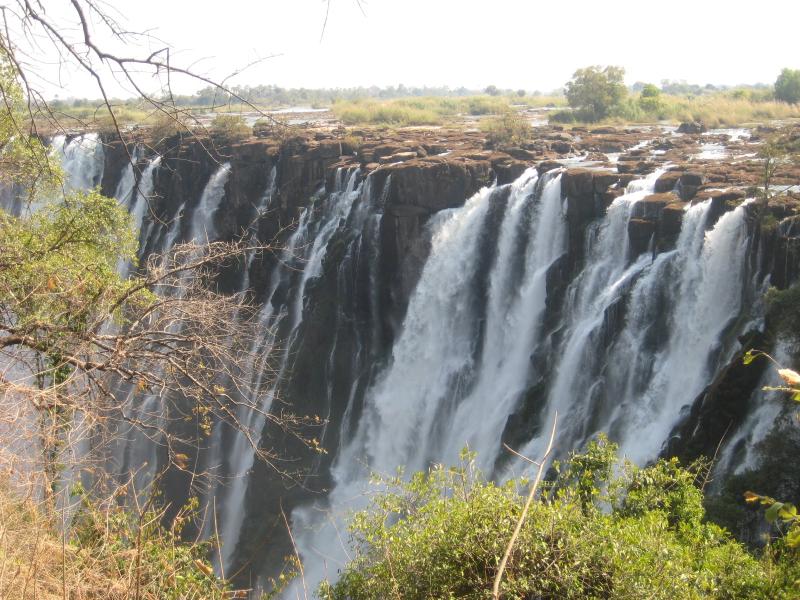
x=305 y=251
x=126 y=186
x=604 y=280
x=137 y=452
x=81 y=158
x=513 y=323
x=252 y=234
x=738 y=453
x=201 y=227
x=144 y=194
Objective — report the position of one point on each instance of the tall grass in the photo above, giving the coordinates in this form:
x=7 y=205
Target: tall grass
x=418 y=110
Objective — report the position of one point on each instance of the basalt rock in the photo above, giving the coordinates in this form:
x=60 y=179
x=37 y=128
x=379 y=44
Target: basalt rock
x=693 y=127
x=667 y=182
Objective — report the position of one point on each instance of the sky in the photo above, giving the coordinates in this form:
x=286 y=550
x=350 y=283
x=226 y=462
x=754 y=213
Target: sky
x=528 y=44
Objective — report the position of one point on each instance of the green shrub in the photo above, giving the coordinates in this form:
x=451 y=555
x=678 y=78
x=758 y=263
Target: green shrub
x=508 y=129
x=232 y=128
x=639 y=534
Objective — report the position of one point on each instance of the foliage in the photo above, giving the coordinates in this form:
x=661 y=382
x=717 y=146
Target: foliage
x=109 y=553
x=69 y=248
x=595 y=91
x=787 y=86
x=510 y=128
x=718 y=109
x=231 y=127
x=638 y=534
x=783 y=309
x=23 y=158
x=650 y=99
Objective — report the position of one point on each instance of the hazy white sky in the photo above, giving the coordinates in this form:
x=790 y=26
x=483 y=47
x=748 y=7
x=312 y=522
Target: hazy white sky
x=509 y=43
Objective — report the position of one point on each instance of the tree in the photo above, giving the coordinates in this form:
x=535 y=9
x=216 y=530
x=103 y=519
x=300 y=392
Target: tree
x=78 y=341
x=787 y=86
x=650 y=98
x=492 y=90
x=595 y=91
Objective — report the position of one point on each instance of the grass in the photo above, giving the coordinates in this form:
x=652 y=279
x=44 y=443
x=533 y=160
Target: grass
x=429 y=110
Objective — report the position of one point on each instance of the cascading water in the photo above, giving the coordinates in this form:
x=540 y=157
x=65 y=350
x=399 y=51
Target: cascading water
x=304 y=252
x=81 y=158
x=138 y=451
x=632 y=343
x=631 y=381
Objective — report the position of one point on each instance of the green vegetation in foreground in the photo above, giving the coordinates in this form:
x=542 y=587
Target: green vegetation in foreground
x=639 y=534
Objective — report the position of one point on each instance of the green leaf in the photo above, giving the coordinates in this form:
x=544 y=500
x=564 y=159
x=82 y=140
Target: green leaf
x=796 y=396
x=793 y=537
x=749 y=357
x=771 y=513
x=787 y=512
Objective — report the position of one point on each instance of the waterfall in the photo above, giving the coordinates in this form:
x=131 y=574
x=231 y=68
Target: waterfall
x=81 y=158
x=137 y=452
x=505 y=326
x=766 y=406
x=261 y=210
x=446 y=387
x=305 y=251
x=433 y=360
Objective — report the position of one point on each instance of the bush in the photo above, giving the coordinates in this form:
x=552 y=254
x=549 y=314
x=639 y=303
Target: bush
x=639 y=534
x=509 y=129
x=230 y=127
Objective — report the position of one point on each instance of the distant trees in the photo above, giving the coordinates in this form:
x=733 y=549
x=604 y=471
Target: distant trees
x=492 y=90
x=595 y=91
x=787 y=86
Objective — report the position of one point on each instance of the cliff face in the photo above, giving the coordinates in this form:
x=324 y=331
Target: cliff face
x=351 y=309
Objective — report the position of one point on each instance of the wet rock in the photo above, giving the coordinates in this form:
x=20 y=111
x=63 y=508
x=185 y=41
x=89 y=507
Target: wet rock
x=692 y=127
x=650 y=207
x=508 y=169
x=399 y=157
x=689 y=184
x=668 y=181
x=561 y=147
x=671 y=220
x=640 y=234
x=548 y=165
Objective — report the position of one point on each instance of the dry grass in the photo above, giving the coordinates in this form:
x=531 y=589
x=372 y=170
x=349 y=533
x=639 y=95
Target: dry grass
x=418 y=111
x=107 y=555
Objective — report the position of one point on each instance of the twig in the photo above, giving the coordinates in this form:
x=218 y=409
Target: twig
x=501 y=569
x=297 y=554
